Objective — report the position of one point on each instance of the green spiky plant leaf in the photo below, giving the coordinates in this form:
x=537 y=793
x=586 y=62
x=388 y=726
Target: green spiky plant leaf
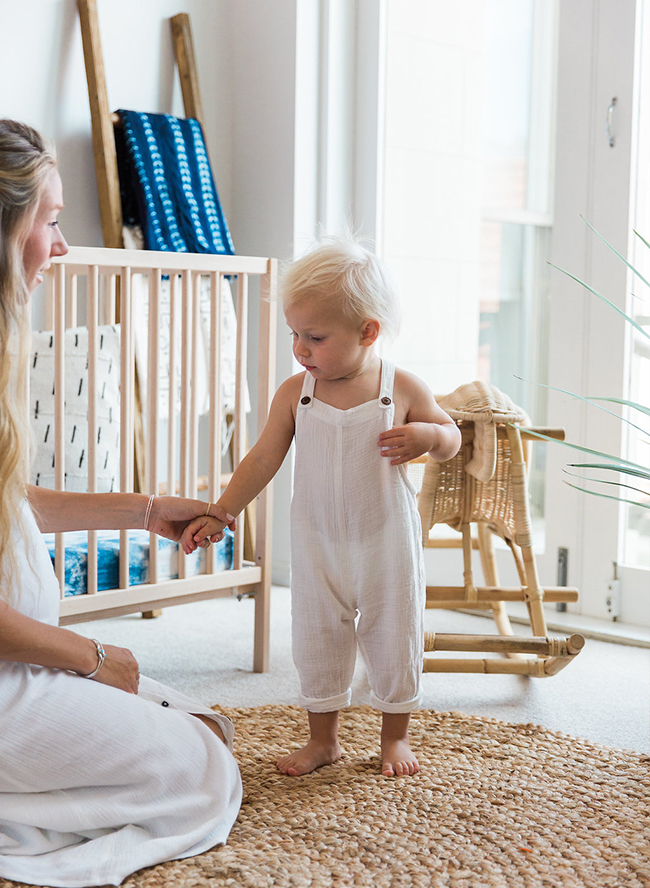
x=613 y=463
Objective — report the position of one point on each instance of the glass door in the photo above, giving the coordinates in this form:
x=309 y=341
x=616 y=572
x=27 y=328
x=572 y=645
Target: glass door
x=467 y=193
x=517 y=187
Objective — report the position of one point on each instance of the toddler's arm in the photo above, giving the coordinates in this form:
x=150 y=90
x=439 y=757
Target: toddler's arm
x=428 y=429
x=256 y=469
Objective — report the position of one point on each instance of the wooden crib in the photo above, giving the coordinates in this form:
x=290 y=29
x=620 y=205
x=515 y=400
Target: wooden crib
x=162 y=442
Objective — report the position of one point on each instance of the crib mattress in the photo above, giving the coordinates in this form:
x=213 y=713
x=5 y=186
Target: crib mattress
x=108 y=561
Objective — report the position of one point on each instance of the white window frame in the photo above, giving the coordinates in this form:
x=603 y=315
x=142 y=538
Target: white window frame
x=589 y=347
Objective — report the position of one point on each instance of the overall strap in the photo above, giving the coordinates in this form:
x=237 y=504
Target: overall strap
x=307 y=393
x=387 y=381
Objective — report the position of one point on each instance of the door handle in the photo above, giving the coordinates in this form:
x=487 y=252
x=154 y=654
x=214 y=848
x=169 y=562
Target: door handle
x=609 y=126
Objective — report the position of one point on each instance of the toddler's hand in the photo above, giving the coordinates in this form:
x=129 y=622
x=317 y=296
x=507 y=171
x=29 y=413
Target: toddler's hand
x=170 y=516
x=201 y=532
x=404 y=443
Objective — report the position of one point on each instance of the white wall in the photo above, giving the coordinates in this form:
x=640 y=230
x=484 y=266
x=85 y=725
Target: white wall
x=247 y=83
x=432 y=184
x=43 y=82
x=263 y=87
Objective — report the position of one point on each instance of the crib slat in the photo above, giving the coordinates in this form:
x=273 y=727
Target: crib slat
x=186 y=369
x=59 y=409
x=72 y=301
x=173 y=382
x=111 y=300
x=239 y=433
x=194 y=401
x=215 y=415
x=151 y=455
x=127 y=406
x=92 y=315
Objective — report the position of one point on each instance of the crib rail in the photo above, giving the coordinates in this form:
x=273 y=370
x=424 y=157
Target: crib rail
x=171 y=442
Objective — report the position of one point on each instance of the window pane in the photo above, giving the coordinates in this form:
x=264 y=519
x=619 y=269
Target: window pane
x=514 y=324
x=636 y=547
x=466 y=223
x=637 y=532
x=517 y=146
x=507 y=96
x=636 y=519
x=432 y=184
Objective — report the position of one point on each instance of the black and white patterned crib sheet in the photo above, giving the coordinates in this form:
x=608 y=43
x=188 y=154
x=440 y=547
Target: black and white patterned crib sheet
x=76 y=408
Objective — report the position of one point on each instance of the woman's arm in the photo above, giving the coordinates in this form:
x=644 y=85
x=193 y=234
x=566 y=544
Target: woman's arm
x=256 y=470
x=262 y=462
x=56 y=510
x=24 y=640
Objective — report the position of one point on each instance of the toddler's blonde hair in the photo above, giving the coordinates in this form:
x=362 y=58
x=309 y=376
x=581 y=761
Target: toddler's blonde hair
x=341 y=274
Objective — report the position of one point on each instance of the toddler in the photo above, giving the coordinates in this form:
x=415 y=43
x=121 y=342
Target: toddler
x=356 y=541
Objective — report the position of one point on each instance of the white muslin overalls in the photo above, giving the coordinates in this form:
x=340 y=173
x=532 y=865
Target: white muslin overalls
x=356 y=547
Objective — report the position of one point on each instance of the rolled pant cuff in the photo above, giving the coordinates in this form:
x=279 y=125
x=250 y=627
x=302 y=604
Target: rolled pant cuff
x=384 y=706
x=325 y=704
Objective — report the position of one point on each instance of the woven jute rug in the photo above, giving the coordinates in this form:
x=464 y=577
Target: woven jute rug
x=496 y=805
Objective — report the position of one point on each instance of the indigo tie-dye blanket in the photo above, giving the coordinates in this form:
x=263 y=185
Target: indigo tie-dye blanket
x=167 y=184
x=108 y=560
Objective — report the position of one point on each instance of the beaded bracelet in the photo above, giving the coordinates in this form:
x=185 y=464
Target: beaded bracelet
x=101 y=656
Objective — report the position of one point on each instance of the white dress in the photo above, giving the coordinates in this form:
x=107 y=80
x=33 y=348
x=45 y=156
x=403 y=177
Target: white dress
x=357 y=568
x=96 y=783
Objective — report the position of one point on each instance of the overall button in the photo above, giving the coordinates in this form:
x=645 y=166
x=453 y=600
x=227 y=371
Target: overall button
x=385 y=400
x=305 y=400
x=165 y=703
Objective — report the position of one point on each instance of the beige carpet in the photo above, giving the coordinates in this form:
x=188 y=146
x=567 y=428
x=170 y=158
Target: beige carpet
x=496 y=805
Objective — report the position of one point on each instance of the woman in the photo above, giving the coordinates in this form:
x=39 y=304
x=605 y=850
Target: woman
x=101 y=772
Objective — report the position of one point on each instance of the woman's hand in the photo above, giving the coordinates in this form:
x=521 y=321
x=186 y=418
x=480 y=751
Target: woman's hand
x=170 y=515
x=119 y=670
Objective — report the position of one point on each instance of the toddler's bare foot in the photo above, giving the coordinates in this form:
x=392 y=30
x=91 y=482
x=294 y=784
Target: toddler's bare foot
x=398 y=759
x=309 y=757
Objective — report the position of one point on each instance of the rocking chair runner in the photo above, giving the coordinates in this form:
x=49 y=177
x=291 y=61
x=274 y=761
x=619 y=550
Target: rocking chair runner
x=486 y=484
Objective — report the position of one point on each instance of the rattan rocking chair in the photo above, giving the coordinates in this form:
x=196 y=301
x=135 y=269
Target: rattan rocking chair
x=485 y=485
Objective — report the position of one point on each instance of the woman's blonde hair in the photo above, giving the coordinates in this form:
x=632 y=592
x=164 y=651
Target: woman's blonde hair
x=26 y=161
x=343 y=275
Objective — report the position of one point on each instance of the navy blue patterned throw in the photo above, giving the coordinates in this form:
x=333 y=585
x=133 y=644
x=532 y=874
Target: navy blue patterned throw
x=167 y=185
